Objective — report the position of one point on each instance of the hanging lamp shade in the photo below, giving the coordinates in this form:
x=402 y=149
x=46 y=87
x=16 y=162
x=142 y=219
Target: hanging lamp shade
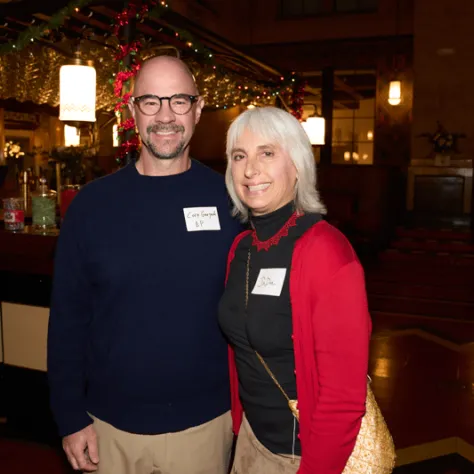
x=395 y=93
x=315 y=128
x=77 y=91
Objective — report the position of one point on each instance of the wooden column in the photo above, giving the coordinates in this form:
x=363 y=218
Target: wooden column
x=327 y=106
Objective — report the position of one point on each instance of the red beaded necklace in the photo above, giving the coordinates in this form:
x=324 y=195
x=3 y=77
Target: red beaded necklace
x=283 y=232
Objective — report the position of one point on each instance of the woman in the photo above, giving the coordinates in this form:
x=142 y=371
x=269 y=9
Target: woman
x=294 y=309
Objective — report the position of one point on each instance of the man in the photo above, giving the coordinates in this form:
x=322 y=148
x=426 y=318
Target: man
x=137 y=365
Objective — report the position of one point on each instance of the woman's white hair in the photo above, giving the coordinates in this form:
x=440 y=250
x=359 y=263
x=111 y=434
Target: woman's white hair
x=283 y=129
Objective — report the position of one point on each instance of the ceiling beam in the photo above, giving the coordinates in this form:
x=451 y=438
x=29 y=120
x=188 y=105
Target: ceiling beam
x=73 y=28
x=312 y=90
x=342 y=86
x=92 y=22
x=145 y=29
x=10 y=19
x=317 y=92
x=222 y=45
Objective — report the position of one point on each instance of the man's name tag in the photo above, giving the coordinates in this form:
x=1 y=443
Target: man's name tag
x=201 y=218
x=269 y=282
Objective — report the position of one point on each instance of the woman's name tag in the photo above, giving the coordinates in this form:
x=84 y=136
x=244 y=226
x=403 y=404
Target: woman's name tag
x=201 y=218
x=269 y=282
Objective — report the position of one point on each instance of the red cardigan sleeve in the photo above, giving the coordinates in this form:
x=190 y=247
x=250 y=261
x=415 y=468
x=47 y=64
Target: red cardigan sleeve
x=341 y=333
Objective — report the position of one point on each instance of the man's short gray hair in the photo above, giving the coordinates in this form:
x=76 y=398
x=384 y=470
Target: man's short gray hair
x=282 y=129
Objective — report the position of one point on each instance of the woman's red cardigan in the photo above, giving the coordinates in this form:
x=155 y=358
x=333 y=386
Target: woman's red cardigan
x=331 y=333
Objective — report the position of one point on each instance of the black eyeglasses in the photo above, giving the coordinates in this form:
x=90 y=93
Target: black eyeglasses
x=150 y=104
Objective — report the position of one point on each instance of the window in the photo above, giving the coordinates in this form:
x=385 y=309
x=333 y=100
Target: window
x=292 y=8
x=354 y=118
x=355 y=5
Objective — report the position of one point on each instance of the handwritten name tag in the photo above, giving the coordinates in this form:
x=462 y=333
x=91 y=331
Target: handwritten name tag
x=201 y=218
x=269 y=282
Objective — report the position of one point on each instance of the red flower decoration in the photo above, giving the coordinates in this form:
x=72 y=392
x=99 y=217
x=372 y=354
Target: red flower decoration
x=127 y=147
x=129 y=124
x=125 y=49
x=123 y=102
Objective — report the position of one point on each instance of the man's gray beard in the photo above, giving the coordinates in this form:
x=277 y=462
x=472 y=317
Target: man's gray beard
x=165 y=156
x=151 y=146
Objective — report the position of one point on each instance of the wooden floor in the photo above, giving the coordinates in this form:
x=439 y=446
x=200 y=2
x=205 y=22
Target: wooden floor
x=452 y=464
x=422 y=351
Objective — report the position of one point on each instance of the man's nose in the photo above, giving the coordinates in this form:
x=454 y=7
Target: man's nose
x=165 y=114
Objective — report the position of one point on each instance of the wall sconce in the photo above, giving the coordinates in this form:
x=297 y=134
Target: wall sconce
x=77 y=91
x=315 y=128
x=72 y=137
x=395 y=93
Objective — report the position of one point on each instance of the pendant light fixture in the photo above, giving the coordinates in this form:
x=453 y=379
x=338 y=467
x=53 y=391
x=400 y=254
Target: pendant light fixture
x=77 y=91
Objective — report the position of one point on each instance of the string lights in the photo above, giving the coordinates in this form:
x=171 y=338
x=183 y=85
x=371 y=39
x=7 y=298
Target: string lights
x=222 y=88
x=35 y=32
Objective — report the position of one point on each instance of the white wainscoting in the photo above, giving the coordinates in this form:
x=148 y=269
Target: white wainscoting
x=25 y=330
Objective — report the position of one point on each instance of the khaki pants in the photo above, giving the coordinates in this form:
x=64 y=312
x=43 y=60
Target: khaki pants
x=252 y=457
x=203 y=449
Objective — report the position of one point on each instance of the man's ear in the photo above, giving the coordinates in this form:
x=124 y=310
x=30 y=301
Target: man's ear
x=131 y=107
x=199 y=106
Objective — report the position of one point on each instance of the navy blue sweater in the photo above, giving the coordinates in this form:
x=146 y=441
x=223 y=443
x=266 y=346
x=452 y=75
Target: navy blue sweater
x=133 y=332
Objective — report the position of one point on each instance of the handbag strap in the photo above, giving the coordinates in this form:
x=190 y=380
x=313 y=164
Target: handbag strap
x=260 y=358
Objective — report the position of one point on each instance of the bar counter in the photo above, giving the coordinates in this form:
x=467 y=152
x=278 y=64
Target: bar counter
x=27 y=252
x=26 y=269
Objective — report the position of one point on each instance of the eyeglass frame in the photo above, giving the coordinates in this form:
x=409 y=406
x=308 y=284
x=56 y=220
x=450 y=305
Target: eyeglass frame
x=136 y=100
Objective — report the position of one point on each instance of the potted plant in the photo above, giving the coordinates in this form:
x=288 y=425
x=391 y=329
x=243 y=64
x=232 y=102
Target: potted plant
x=443 y=143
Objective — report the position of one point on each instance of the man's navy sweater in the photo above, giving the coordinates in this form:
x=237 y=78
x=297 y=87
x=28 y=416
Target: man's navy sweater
x=133 y=333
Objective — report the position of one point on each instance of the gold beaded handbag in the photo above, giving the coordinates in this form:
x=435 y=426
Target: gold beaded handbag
x=374 y=450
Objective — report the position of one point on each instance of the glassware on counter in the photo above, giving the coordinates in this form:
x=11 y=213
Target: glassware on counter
x=27 y=181
x=14 y=214
x=43 y=207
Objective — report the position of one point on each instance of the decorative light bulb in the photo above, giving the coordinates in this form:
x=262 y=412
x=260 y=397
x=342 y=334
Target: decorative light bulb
x=395 y=93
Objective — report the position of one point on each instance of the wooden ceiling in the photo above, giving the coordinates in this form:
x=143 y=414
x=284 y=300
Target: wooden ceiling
x=355 y=64
x=94 y=23
x=91 y=30
x=350 y=87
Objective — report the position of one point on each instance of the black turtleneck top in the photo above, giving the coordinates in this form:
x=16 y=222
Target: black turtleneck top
x=267 y=327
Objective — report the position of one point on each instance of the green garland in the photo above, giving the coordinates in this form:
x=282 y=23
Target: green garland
x=35 y=32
